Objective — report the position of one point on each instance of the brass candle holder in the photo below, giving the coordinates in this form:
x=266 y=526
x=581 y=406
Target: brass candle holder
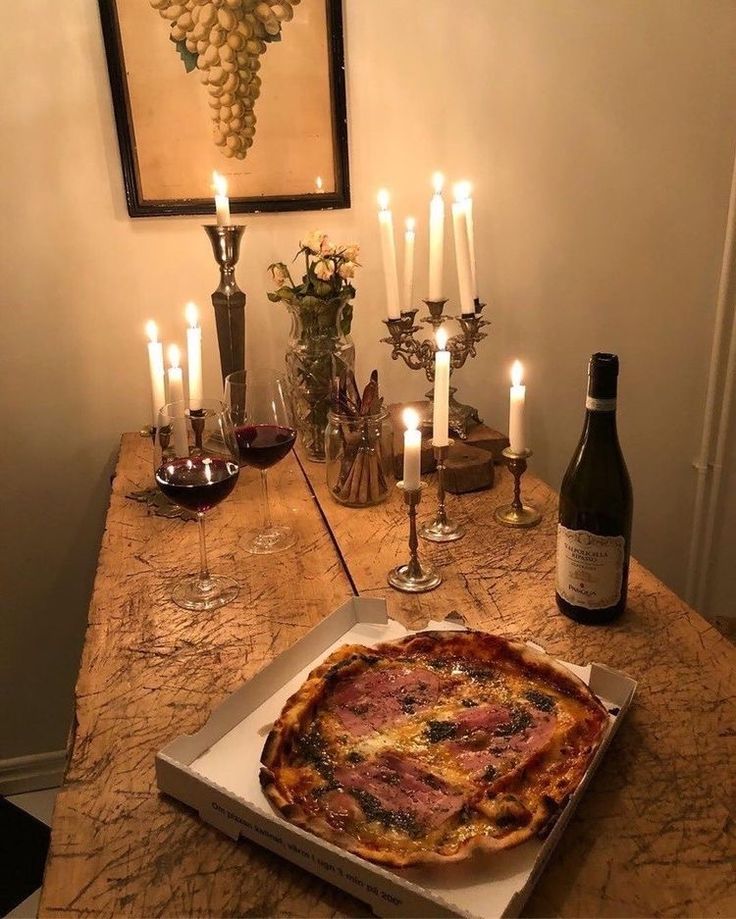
x=411 y=577
x=517 y=514
x=419 y=355
x=228 y=300
x=442 y=528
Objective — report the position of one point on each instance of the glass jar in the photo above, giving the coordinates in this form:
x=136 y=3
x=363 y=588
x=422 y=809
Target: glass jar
x=359 y=458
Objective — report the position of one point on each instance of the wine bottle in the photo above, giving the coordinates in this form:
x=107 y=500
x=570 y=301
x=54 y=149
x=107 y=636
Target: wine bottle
x=596 y=503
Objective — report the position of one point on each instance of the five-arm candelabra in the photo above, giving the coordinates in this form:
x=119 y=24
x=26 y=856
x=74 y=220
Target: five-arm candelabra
x=419 y=354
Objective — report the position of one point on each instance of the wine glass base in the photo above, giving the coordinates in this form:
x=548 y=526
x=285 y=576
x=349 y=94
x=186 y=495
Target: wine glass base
x=193 y=594
x=436 y=531
x=510 y=516
x=274 y=539
x=400 y=579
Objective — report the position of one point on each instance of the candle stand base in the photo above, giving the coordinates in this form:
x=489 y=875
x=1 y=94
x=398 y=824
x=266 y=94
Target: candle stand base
x=412 y=577
x=442 y=528
x=460 y=417
x=517 y=514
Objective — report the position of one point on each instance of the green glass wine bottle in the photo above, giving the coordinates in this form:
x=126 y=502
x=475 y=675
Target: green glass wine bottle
x=596 y=504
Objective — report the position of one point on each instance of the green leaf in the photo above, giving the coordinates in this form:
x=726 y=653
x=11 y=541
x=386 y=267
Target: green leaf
x=190 y=59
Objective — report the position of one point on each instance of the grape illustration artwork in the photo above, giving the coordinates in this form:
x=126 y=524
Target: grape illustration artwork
x=224 y=40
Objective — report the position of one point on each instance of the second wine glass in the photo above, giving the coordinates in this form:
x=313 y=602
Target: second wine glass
x=265 y=435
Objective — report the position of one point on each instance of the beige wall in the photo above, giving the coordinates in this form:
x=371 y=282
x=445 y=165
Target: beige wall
x=600 y=138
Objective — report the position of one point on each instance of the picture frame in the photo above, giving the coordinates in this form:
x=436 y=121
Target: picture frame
x=164 y=115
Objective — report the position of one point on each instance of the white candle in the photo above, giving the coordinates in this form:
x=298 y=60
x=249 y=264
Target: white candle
x=467 y=188
x=222 y=202
x=517 y=425
x=462 y=250
x=440 y=419
x=409 y=242
x=176 y=394
x=194 y=356
x=436 y=238
x=388 y=250
x=412 y=450
x=156 y=371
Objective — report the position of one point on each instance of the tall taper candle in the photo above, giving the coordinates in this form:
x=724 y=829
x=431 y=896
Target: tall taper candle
x=388 y=249
x=156 y=371
x=467 y=189
x=436 y=238
x=440 y=420
x=176 y=394
x=222 y=202
x=409 y=242
x=194 y=356
x=462 y=250
x=517 y=421
x=412 y=450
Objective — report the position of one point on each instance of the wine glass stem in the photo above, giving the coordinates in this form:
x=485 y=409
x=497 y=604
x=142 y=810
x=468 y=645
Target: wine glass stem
x=266 y=504
x=204 y=572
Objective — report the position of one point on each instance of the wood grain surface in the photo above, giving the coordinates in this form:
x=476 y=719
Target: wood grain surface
x=654 y=833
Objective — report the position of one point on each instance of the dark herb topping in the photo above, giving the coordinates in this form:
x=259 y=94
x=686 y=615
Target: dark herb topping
x=468 y=703
x=440 y=730
x=540 y=700
x=408 y=703
x=520 y=719
x=355 y=757
x=374 y=810
x=490 y=773
x=311 y=747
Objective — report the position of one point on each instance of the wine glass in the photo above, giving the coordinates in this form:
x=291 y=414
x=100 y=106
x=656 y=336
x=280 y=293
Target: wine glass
x=264 y=433
x=195 y=459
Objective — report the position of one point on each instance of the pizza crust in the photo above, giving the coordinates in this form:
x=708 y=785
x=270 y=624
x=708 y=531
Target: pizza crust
x=281 y=778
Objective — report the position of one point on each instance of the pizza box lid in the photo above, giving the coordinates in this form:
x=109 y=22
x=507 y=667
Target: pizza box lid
x=215 y=771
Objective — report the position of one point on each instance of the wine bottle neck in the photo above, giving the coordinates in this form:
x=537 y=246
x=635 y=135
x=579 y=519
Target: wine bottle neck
x=598 y=421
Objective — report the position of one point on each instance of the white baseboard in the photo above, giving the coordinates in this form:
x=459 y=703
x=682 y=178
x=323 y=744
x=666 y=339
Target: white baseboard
x=32 y=773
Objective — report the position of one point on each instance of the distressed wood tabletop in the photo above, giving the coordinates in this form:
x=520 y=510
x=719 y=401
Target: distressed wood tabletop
x=653 y=835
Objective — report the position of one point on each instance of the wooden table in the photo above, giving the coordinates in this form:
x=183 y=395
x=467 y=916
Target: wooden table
x=654 y=834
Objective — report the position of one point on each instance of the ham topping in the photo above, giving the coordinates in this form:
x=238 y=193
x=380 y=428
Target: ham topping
x=398 y=792
x=502 y=751
x=376 y=698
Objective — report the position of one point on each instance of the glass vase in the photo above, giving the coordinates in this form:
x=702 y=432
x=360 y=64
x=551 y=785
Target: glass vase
x=320 y=347
x=359 y=457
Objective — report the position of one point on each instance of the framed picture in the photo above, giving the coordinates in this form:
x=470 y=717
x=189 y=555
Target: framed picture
x=252 y=89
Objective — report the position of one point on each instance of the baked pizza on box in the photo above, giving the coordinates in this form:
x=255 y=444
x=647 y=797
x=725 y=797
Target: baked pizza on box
x=428 y=748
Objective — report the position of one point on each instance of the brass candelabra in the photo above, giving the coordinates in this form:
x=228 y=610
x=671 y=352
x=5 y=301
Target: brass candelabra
x=419 y=354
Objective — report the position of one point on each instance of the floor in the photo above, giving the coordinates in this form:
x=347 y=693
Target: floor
x=39 y=804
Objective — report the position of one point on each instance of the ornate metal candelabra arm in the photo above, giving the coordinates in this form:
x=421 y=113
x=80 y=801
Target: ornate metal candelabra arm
x=419 y=355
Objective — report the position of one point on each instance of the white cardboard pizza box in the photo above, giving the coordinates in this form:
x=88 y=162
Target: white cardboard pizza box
x=215 y=771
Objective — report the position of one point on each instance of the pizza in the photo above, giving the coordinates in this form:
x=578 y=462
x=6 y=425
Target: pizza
x=426 y=749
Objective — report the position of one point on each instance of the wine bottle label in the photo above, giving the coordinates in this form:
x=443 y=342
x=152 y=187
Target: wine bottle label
x=590 y=568
x=600 y=405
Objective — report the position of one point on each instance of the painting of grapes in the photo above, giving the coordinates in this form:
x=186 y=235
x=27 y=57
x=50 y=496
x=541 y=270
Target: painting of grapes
x=252 y=89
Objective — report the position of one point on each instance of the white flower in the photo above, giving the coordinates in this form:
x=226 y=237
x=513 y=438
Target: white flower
x=326 y=247
x=351 y=252
x=347 y=270
x=280 y=277
x=313 y=241
x=324 y=270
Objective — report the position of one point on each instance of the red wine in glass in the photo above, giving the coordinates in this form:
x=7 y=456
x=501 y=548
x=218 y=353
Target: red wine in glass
x=263 y=445
x=197 y=483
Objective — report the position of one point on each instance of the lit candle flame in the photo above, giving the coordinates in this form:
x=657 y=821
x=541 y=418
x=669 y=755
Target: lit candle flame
x=411 y=224
x=319 y=184
x=219 y=183
x=411 y=419
x=461 y=190
x=441 y=338
x=152 y=331
x=383 y=199
x=192 y=314
x=438 y=181
x=174 y=356
x=517 y=373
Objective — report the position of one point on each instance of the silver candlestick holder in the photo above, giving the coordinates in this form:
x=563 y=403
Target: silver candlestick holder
x=442 y=528
x=411 y=577
x=228 y=300
x=517 y=514
x=419 y=354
